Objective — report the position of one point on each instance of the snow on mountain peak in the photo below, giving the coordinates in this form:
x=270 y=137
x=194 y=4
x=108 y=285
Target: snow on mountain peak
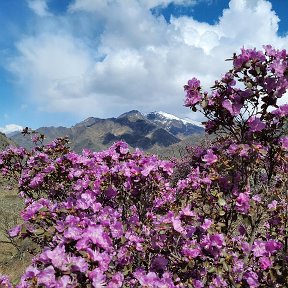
x=169 y=116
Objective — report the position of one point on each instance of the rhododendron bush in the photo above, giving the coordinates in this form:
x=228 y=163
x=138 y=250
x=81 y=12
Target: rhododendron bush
x=125 y=219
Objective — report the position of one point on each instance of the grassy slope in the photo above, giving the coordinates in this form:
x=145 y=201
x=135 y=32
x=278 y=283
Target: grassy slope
x=13 y=261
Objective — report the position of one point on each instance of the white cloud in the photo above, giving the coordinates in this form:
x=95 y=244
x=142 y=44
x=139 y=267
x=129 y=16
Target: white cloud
x=98 y=5
x=55 y=66
x=164 y=3
x=138 y=61
x=39 y=7
x=9 y=128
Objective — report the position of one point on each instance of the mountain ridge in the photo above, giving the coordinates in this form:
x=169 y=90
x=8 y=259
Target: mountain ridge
x=145 y=131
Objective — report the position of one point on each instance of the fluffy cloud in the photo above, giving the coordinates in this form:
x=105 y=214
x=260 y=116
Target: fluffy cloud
x=11 y=128
x=98 y=5
x=135 y=60
x=39 y=7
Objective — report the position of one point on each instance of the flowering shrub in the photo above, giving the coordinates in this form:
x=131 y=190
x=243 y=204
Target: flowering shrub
x=116 y=218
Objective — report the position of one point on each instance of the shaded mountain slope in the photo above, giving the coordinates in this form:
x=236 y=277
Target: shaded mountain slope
x=133 y=127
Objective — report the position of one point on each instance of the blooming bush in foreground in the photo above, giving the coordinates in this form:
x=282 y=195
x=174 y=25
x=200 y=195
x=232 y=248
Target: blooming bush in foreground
x=116 y=219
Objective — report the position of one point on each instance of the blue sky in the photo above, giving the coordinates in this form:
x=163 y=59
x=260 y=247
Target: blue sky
x=62 y=61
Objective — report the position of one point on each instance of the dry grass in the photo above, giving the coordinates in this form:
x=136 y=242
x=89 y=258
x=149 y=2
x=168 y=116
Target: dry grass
x=14 y=257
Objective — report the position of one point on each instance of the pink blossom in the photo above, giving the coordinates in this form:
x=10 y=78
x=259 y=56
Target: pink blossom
x=284 y=142
x=265 y=262
x=159 y=263
x=177 y=225
x=193 y=95
x=98 y=278
x=233 y=108
x=46 y=277
x=232 y=149
x=4 y=282
x=279 y=67
x=272 y=205
x=259 y=248
x=252 y=279
x=218 y=281
x=272 y=246
x=255 y=124
x=15 y=231
x=207 y=224
x=242 y=203
x=210 y=157
x=257 y=198
x=116 y=281
x=282 y=111
x=244 y=150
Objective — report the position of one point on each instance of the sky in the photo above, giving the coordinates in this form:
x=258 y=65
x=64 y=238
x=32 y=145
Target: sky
x=62 y=61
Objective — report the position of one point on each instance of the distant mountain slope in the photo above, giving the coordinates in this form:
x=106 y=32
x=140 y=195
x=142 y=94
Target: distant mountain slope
x=178 y=127
x=138 y=130
x=4 y=141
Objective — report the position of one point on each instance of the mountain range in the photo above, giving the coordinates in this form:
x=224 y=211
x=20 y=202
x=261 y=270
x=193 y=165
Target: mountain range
x=146 y=131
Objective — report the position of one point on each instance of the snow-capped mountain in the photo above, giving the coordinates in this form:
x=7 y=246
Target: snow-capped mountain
x=163 y=116
x=155 y=129
x=179 y=127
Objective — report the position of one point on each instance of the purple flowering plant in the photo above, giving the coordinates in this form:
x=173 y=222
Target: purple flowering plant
x=123 y=219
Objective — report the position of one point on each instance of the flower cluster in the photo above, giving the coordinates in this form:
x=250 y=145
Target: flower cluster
x=244 y=97
x=217 y=218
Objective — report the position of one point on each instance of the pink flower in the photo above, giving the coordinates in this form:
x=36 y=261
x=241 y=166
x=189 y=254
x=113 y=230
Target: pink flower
x=193 y=95
x=191 y=250
x=257 y=198
x=36 y=181
x=252 y=279
x=265 y=262
x=242 y=203
x=78 y=264
x=244 y=150
x=15 y=231
x=213 y=244
x=210 y=157
x=177 y=225
x=259 y=248
x=272 y=246
x=159 y=263
x=232 y=149
x=272 y=205
x=198 y=284
x=282 y=111
x=4 y=282
x=255 y=124
x=57 y=257
x=117 y=281
x=238 y=265
x=234 y=109
x=188 y=212
x=46 y=277
x=246 y=56
x=284 y=143
x=98 y=278
x=279 y=67
x=218 y=281
x=207 y=224
x=111 y=192
x=64 y=282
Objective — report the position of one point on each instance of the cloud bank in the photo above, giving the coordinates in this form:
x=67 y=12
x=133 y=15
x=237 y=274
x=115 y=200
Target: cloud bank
x=10 y=128
x=104 y=57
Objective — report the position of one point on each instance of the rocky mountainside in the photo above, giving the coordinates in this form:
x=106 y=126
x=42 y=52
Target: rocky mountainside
x=155 y=129
x=178 y=127
x=4 y=141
